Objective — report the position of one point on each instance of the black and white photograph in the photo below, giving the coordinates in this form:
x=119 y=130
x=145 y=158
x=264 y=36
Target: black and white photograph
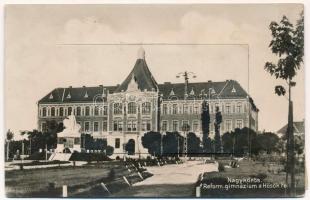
x=154 y=101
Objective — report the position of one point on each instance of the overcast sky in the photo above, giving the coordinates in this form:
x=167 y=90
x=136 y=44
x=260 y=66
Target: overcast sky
x=36 y=61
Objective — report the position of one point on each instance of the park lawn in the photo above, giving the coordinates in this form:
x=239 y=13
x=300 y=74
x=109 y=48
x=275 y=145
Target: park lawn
x=249 y=168
x=25 y=183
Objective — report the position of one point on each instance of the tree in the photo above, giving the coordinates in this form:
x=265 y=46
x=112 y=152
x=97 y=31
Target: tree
x=236 y=142
x=172 y=144
x=217 y=126
x=152 y=141
x=9 y=137
x=205 y=123
x=130 y=147
x=268 y=142
x=288 y=44
x=47 y=139
x=193 y=144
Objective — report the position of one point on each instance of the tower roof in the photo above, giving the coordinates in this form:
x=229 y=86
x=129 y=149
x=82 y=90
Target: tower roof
x=141 y=75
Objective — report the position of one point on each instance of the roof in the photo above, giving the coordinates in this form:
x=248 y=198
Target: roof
x=224 y=89
x=78 y=94
x=299 y=127
x=142 y=76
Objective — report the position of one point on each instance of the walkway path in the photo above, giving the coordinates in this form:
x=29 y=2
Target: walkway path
x=169 y=181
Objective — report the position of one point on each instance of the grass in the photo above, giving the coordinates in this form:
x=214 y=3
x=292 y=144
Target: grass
x=82 y=181
x=32 y=182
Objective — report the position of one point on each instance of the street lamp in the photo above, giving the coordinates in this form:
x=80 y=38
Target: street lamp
x=186 y=75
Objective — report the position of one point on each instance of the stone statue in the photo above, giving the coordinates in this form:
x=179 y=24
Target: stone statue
x=71 y=127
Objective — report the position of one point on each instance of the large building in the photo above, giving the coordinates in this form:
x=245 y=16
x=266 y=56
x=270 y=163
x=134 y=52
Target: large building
x=139 y=104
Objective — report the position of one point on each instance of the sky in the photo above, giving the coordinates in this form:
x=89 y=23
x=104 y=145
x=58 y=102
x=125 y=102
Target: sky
x=223 y=42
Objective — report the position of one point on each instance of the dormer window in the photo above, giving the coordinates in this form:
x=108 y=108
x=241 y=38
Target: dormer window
x=51 y=96
x=192 y=92
x=172 y=92
x=233 y=90
x=69 y=96
x=86 y=95
x=212 y=91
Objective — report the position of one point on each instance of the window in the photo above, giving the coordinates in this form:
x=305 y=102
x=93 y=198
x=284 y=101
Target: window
x=228 y=125
x=61 y=111
x=195 y=125
x=120 y=126
x=78 y=111
x=129 y=125
x=196 y=109
x=44 y=112
x=146 y=125
x=115 y=125
x=96 y=111
x=117 y=143
x=69 y=110
x=105 y=110
x=238 y=108
x=87 y=111
x=86 y=126
x=239 y=123
x=132 y=108
x=43 y=127
x=117 y=108
x=185 y=124
x=228 y=108
x=52 y=111
x=185 y=109
x=164 y=126
x=190 y=109
x=175 y=125
x=96 y=126
x=217 y=106
x=134 y=126
x=146 y=108
x=174 y=109
x=165 y=109
x=104 y=125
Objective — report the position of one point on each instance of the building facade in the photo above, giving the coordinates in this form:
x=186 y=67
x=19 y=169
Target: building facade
x=139 y=104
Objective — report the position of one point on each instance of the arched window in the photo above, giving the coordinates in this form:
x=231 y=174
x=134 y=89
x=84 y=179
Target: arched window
x=52 y=111
x=132 y=108
x=87 y=110
x=61 y=111
x=44 y=112
x=96 y=111
x=69 y=110
x=117 y=108
x=146 y=108
x=78 y=111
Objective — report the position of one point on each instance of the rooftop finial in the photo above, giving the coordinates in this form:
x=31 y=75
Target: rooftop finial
x=141 y=53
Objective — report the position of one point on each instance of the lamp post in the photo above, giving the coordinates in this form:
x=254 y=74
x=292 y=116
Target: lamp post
x=186 y=75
